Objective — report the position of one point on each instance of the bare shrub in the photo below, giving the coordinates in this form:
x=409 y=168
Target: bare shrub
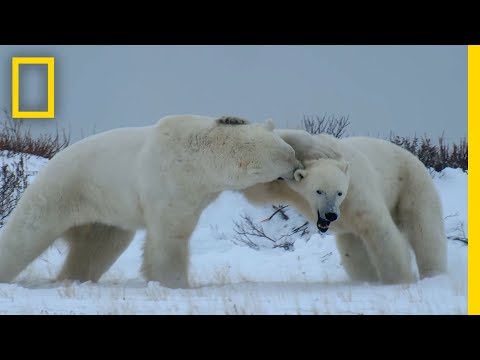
x=331 y=124
x=254 y=235
x=13 y=182
x=457 y=231
x=437 y=156
x=16 y=138
x=17 y=141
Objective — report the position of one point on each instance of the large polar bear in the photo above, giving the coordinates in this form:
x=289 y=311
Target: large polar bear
x=98 y=191
x=377 y=199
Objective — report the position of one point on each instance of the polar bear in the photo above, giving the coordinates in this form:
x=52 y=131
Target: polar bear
x=389 y=204
x=98 y=191
x=324 y=183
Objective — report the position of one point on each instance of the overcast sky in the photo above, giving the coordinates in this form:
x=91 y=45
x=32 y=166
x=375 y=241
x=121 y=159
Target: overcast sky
x=406 y=89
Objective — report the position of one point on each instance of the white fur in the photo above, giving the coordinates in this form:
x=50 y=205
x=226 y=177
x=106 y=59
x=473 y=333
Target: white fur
x=324 y=183
x=98 y=191
x=391 y=204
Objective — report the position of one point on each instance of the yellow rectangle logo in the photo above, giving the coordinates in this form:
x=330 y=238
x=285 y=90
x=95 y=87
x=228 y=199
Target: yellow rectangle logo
x=50 y=62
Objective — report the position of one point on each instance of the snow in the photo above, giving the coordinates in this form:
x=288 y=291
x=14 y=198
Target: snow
x=229 y=277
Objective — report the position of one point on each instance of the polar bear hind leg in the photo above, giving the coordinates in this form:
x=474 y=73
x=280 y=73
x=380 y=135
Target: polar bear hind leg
x=388 y=248
x=93 y=248
x=29 y=232
x=20 y=246
x=420 y=218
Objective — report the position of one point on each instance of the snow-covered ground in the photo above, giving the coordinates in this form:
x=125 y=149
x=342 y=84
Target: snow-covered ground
x=229 y=277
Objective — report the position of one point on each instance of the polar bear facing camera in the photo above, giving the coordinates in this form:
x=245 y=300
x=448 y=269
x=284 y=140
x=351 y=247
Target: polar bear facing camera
x=389 y=207
x=97 y=192
x=324 y=184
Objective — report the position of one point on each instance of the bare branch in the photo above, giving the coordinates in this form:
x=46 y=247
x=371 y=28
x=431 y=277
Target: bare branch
x=13 y=182
x=436 y=157
x=278 y=209
x=250 y=233
x=326 y=124
x=457 y=238
x=16 y=138
x=302 y=228
x=457 y=232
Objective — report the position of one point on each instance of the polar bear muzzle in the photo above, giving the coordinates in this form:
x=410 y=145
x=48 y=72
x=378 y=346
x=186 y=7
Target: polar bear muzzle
x=322 y=224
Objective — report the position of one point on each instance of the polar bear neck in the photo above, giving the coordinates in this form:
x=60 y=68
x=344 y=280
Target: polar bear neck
x=308 y=146
x=211 y=155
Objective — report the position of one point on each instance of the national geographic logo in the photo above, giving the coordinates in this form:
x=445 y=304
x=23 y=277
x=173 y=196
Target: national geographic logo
x=50 y=112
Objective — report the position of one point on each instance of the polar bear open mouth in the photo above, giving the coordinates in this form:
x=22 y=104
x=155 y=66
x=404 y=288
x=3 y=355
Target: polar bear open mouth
x=322 y=224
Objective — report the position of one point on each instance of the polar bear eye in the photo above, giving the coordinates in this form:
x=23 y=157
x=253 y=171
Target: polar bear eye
x=319 y=192
x=340 y=193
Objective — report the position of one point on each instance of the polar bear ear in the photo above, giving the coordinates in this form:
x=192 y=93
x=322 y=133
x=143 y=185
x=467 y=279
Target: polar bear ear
x=300 y=174
x=231 y=120
x=344 y=165
x=269 y=125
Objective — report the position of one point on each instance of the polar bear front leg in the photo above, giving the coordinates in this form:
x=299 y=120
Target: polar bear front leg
x=387 y=248
x=166 y=251
x=355 y=259
x=165 y=258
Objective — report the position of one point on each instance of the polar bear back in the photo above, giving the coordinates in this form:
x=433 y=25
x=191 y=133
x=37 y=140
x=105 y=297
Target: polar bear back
x=105 y=163
x=394 y=168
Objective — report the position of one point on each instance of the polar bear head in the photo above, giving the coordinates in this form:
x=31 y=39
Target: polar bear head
x=324 y=184
x=250 y=153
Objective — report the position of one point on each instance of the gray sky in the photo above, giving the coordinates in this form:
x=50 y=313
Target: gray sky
x=406 y=89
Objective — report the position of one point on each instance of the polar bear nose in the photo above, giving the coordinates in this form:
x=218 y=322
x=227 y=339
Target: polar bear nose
x=331 y=216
